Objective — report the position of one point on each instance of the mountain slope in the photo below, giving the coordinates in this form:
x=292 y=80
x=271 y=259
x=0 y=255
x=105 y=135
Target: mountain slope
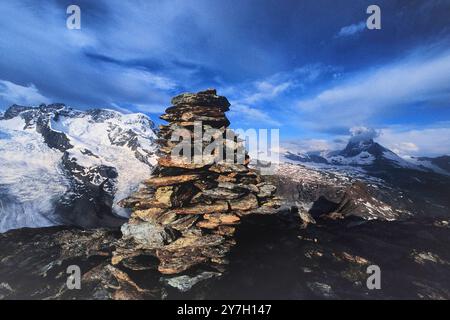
x=420 y=187
x=438 y=164
x=358 y=152
x=62 y=166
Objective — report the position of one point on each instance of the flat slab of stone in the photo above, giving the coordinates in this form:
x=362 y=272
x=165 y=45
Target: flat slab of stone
x=202 y=99
x=203 y=209
x=171 y=180
x=179 y=163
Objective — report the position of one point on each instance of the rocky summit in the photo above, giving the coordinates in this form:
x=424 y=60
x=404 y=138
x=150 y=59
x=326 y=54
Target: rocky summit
x=187 y=213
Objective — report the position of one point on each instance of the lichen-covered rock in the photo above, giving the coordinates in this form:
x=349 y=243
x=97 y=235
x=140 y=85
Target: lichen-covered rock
x=148 y=234
x=266 y=190
x=185 y=283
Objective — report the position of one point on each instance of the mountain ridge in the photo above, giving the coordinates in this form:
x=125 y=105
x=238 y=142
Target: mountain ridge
x=369 y=154
x=84 y=161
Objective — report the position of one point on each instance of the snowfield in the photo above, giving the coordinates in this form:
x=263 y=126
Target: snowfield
x=103 y=140
x=31 y=177
x=52 y=155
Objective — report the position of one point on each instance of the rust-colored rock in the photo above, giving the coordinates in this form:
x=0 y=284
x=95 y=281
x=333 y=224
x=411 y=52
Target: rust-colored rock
x=220 y=206
x=168 y=181
x=245 y=204
x=223 y=218
x=181 y=163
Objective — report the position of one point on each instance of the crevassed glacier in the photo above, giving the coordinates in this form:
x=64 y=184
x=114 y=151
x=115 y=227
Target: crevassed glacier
x=31 y=178
x=54 y=162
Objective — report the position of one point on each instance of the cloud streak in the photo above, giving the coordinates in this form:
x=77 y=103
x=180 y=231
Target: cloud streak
x=252 y=116
x=416 y=141
x=260 y=99
x=352 y=29
x=371 y=93
x=24 y=95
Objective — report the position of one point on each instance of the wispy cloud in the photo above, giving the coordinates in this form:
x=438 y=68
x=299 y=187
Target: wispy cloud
x=308 y=145
x=252 y=100
x=26 y=95
x=265 y=90
x=351 y=29
x=151 y=108
x=416 y=141
x=370 y=93
x=271 y=87
x=252 y=116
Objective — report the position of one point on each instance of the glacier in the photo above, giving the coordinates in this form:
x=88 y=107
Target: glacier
x=60 y=166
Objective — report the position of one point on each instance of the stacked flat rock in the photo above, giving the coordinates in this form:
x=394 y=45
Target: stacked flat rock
x=187 y=212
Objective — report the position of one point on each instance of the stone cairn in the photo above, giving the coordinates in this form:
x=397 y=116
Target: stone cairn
x=186 y=214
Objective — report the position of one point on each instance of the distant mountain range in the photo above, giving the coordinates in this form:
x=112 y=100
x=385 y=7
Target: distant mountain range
x=373 y=156
x=60 y=166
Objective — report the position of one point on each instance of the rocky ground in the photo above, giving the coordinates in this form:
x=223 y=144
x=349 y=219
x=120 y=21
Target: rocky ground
x=275 y=259
x=293 y=254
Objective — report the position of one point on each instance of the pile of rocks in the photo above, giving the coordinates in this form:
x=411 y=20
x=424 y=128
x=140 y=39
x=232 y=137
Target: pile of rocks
x=187 y=212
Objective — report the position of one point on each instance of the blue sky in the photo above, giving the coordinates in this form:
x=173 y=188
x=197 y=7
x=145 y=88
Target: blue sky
x=310 y=68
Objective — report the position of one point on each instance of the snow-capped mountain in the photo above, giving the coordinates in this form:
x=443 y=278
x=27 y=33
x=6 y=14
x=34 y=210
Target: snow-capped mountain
x=367 y=153
x=364 y=153
x=416 y=185
x=63 y=166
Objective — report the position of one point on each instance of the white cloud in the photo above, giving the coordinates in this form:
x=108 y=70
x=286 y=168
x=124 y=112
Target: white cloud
x=26 y=95
x=273 y=86
x=116 y=107
x=151 y=108
x=416 y=142
x=370 y=93
x=266 y=90
x=89 y=67
x=404 y=141
x=351 y=29
x=307 y=145
x=148 y=79
x=242 y=107
x=251 y=115
x=363 y=134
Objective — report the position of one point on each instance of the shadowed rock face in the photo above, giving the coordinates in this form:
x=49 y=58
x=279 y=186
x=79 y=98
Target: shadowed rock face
x=329 y=260
x=188 y=211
